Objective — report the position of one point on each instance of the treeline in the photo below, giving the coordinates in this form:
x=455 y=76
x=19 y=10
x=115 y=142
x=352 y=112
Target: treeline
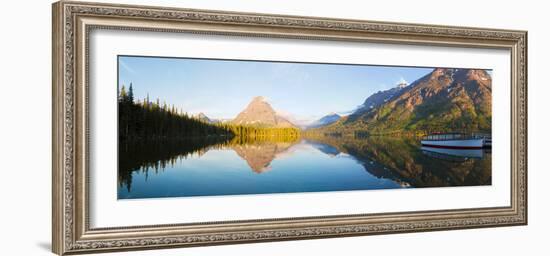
x=151 y=120
x=143 y=119
x=262 y=132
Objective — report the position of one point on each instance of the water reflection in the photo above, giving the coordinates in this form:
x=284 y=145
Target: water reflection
x=403 y=160
x=454 y=154
x=223 y=166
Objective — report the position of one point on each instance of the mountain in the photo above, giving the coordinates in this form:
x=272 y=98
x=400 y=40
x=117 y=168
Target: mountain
x=326 y=120
x=443 y=100
x=378 y=99
x=260 y=113
x=201 y=116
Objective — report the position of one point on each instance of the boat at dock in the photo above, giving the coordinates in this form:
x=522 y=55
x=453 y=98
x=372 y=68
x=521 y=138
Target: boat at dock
x=457 y=141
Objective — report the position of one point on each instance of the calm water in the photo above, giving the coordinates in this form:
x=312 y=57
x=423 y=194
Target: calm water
x=233 y=167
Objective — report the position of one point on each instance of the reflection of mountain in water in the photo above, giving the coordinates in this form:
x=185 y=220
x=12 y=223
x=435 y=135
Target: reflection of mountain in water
x=397 y=159
x=401 y=159
x=259 y=155
x=325 y=148
x=155 y=156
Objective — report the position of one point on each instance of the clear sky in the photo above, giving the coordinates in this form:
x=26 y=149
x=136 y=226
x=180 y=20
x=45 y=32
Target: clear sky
x=221 y=89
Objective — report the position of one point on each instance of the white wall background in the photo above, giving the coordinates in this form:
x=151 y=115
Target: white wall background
x=25 y=116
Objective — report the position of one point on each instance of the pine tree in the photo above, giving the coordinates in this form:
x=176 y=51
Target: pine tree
x=131 y=94
x=147 y=120
x=122 y=94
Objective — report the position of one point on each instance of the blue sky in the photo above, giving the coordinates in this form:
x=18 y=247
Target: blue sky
x=221 y=89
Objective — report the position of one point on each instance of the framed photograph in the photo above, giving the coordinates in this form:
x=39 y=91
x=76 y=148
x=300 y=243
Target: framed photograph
x=179 y=127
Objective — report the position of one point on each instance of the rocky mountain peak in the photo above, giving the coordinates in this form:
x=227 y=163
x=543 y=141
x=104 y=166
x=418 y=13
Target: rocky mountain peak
x=478 y=75
x=260 y=113
x=446 y=98
x=460 y=74
x=201 y=116
x=402 y=85
x=259 y=99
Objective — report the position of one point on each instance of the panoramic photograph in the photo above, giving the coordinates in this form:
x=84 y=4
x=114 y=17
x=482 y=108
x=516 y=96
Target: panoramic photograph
x=210 y=127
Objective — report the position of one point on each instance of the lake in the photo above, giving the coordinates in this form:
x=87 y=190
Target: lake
x=234 y=166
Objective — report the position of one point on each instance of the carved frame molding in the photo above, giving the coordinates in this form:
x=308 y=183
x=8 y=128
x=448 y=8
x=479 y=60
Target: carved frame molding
x=72 y=23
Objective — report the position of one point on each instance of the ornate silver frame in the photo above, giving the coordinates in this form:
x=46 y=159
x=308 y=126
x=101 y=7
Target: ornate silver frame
x=72 y=22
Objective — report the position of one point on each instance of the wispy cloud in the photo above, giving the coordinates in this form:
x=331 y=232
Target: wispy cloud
x=126 y=67
x=297 y=72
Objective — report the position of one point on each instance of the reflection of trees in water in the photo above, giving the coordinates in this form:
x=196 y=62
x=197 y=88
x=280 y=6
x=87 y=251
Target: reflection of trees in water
x=146 y=156
x=398 y=159
x=401 y=159
x=155 y=155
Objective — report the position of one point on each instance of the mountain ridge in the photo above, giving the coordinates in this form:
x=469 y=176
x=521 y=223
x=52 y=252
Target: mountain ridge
x=446 y=99
x=325 y=120
x=443 y=100
x=377 y=99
